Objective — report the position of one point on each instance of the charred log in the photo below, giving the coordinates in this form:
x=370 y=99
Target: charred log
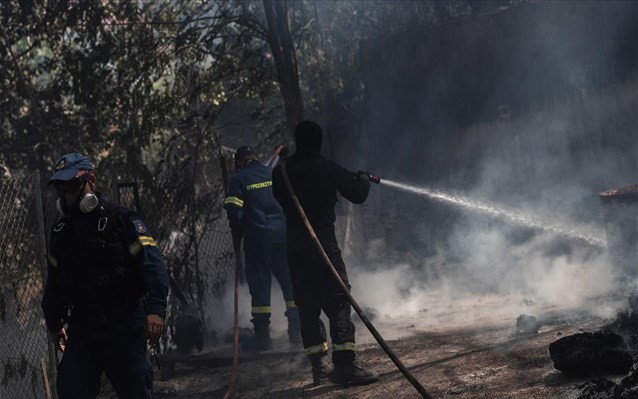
x=591 y=352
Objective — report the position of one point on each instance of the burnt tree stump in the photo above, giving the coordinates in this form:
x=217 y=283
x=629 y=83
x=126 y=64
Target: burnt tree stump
x=591 y=352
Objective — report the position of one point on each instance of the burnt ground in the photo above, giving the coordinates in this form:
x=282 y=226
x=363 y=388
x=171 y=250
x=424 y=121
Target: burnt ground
x=451 y=354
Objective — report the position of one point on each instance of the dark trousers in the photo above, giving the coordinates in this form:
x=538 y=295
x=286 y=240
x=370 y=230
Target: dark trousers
x=263 y=260
x=317 y=290
x=106 y=342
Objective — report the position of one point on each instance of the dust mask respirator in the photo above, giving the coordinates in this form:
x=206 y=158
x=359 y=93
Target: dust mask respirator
x=86 y=202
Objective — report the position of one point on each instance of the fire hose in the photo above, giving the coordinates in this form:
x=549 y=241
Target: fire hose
x=345 y=289
x=233 y=372
x=280 y=151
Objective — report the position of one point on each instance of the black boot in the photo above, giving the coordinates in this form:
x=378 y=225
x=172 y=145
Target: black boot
x=352 y=374
x=321 y=367
x=260 y=341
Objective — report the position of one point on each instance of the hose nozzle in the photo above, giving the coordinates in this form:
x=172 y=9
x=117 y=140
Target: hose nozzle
x=372 y=178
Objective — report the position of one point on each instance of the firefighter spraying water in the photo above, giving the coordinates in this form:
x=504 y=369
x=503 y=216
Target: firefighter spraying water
x=306 y=185
x=319 y=277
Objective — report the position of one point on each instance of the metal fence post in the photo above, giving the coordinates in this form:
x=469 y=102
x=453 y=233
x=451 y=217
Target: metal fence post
x=43 y=268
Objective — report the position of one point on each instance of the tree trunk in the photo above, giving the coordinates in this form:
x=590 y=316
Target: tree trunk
x=285 y=61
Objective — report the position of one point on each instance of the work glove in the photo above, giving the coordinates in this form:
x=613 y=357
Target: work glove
x=363 y=174
x=368 y=176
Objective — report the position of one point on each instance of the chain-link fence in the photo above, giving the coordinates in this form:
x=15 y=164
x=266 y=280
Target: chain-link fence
x=24 y=353
x=189 y=223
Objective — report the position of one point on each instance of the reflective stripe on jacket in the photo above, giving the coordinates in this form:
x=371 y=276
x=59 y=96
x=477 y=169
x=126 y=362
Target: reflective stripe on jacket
x=251 y=207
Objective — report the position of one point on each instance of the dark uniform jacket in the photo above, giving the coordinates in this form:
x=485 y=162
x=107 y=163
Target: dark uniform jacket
x=316 y=181
x=251 y=207
x=105 y=259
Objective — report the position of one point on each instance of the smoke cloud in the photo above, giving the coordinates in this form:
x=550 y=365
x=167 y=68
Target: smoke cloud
x=539 y=130
x=546 y=134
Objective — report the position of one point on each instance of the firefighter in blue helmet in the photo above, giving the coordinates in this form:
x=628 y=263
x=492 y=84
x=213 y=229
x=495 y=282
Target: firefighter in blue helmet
x=316 y=181
x=254 y=215
x=106 y=288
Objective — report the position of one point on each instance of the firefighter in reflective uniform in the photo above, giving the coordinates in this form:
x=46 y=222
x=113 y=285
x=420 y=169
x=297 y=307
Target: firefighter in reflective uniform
x=254 y=215
x=106 y=288
x=316 y=181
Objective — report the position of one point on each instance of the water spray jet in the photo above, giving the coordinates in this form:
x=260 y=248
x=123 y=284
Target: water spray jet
x=497 y=211
x=346 y=291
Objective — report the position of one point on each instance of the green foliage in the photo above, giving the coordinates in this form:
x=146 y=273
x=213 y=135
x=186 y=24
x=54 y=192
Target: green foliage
x=147 y=89
x=111 y=78
x=138 y=87
x=330 y=33
x=121 y=81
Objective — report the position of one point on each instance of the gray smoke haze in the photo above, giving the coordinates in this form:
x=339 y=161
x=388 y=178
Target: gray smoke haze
x=539 y=130
x=222 y=312
x=502 y=268
x=548 y=160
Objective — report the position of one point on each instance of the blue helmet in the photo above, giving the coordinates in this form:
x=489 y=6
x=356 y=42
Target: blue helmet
x=69 y=166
